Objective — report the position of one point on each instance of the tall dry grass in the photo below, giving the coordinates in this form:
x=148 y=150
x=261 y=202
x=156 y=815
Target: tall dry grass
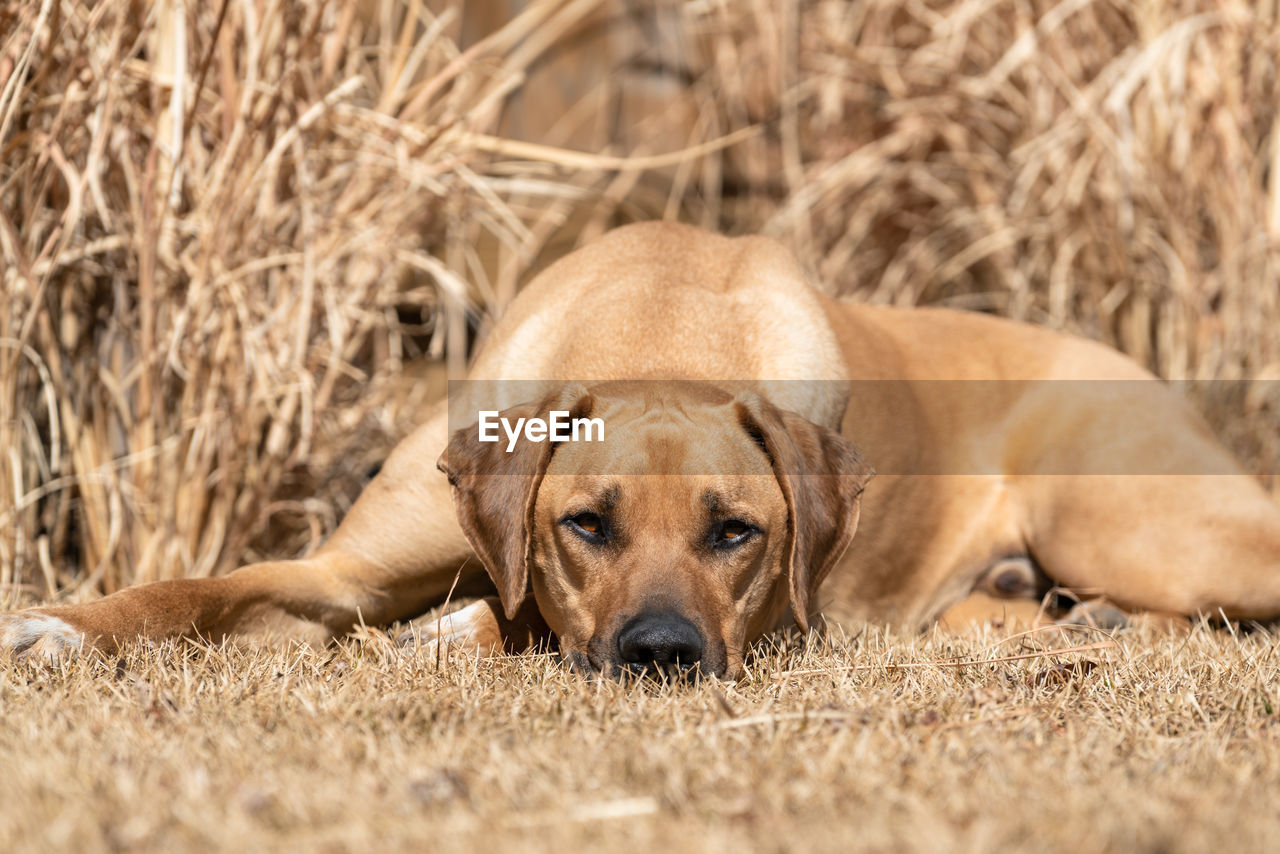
x=228 y=230
x=1107 y=168
x=224 y=229
x=1110 y=168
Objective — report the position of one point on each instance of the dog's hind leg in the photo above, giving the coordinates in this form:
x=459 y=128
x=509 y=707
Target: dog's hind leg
x=395 y=554
x=1125 y=493
x=1179 y=544
x=1130 y=496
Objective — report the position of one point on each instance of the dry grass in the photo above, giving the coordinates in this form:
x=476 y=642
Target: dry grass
x=1162 y=743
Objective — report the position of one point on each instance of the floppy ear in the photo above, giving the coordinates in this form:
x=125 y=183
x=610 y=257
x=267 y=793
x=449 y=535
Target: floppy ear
x=494 y=492
x=822 y=476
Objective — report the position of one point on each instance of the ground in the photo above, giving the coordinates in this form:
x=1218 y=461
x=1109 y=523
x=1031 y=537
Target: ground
x=880 y=742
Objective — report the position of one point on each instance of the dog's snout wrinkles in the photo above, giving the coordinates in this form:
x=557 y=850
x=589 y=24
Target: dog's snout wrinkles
x=660 y=638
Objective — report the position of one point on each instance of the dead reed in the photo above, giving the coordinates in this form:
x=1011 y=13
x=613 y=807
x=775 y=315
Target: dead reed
x=227 y=231
x=224 y=229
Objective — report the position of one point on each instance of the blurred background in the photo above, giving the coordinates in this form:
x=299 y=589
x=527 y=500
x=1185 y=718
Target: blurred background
x=242 y=242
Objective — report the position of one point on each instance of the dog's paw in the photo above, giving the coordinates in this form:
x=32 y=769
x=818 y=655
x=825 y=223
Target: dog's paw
x=25 y=634
x=474 y=628
x=1098 y=614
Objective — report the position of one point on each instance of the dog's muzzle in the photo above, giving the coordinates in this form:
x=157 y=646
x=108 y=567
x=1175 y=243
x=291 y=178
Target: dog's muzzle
x=660 y=640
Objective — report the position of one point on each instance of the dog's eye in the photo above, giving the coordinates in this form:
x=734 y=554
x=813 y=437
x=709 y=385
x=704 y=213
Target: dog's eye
x=730 y=533
x=589 y=526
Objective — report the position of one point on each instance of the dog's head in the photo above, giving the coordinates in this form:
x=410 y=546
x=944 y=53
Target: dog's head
x=673 y=542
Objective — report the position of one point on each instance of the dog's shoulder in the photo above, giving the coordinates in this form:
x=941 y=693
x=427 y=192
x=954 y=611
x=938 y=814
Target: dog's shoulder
x=667 y=300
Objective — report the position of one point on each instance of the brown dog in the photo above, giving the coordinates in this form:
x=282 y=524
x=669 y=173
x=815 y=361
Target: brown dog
x=727 y=487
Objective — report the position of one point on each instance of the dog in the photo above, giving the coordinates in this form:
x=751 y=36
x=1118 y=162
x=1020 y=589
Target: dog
x=740 y=413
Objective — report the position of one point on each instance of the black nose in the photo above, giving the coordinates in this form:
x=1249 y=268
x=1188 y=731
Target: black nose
x=660 y=638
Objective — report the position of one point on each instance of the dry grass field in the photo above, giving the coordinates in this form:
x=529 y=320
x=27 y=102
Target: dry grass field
x=877 y=743
x=236 y=236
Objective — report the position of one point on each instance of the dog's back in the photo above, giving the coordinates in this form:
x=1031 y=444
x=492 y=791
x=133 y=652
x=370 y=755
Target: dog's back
x=670 y=301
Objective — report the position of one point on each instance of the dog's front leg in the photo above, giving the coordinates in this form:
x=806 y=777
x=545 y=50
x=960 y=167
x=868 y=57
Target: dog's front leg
x=310 y=601
x=395 y=555
x=289 y=600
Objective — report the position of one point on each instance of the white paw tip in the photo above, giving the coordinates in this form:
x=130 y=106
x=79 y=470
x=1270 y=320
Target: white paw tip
x=27 y=633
